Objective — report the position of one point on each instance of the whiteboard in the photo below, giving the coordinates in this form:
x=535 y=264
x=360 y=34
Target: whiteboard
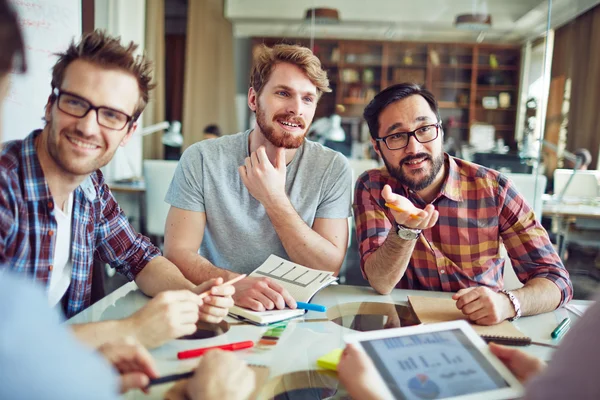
x=48 y=27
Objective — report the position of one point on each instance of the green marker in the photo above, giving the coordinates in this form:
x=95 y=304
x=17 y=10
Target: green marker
x=561 y=328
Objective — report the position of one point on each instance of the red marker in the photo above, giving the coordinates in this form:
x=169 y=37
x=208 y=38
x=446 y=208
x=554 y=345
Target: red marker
x=182 y=355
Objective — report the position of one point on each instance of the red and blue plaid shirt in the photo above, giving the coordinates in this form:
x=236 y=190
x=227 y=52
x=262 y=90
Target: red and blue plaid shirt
x=479 y=209
x=100 y=230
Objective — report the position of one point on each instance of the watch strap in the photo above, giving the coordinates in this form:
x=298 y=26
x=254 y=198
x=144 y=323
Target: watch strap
x=515 y=302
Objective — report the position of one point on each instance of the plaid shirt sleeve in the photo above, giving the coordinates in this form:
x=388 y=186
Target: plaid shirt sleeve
x=117 y=243
x=372 y=224
x=527 y=242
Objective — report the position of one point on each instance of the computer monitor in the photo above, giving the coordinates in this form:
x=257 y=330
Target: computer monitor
x=584 y=184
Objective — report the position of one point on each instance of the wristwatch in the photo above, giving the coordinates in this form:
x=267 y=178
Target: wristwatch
x=408 y=233
x=515 y=302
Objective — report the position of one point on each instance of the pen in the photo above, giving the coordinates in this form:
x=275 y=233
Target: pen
x=182 y=355
x=311 y=307
x=170 y=378
x=396 y=208
x=561 y=328
x=229 y=282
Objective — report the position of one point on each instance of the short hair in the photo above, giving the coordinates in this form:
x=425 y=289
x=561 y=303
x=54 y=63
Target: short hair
x=391 y=95
x=265 y=59
x=584 y=155
x=12 y=55
x=213 y=129
x=99 y=48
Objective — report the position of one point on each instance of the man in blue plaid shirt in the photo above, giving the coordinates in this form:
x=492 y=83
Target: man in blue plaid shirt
x=57 y=215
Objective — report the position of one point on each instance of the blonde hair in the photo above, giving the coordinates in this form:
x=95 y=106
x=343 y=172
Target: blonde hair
x=265 y=59
x=101 y=49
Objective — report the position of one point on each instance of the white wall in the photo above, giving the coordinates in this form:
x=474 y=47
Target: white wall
x=127 y=19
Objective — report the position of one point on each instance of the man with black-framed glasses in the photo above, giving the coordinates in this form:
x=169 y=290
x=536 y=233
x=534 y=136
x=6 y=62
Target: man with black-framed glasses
x=57 y=215
x=435 y=222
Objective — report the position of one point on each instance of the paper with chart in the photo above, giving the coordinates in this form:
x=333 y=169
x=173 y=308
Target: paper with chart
x=301 y=282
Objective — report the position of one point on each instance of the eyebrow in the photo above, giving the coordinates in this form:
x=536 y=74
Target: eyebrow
x=289 y=89
x=397 y=125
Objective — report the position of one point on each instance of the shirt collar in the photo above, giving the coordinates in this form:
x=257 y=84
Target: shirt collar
x=452 y=185
x=36 y=187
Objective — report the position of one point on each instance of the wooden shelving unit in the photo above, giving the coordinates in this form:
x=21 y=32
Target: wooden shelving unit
x=460 y=75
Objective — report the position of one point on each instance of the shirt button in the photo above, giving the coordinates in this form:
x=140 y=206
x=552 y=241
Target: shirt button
x=50 y=268
x=50 y=205
x=442 y=271
x=50 y=233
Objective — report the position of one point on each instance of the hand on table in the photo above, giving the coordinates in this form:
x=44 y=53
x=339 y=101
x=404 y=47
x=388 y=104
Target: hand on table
x=483 y=306
x=264 y=181
x=522 y=365
x=216 y=305
x=132 y=360
x=167 y=316
x=358 y=375
x=411 y=216
x=260 y=294
x=221 y=375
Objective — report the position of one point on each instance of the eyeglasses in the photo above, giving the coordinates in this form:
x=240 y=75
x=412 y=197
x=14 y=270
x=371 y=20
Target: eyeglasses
x=77 y=106
x=424 y=134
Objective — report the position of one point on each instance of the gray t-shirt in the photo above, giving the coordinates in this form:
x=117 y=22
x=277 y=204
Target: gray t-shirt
x=239 y=235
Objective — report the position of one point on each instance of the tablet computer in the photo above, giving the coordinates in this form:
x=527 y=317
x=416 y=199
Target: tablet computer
x=437 y=361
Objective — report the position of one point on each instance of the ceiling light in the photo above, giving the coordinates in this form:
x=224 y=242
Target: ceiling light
x=474 y=22
x=323 y=15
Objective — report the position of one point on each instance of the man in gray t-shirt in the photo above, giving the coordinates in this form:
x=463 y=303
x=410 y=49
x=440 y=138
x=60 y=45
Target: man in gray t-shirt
x=265 y=191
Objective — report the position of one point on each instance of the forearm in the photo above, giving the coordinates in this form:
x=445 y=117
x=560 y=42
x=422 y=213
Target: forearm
x=539 y=295
x=160 y=275
x=196 y=268
x=387 y=265
x=304 y=245
x=95 y=334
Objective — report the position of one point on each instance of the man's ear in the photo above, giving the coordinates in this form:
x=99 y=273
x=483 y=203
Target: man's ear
x=129 y=134
x=375 y=144
x=252 y=99
x=48 y=107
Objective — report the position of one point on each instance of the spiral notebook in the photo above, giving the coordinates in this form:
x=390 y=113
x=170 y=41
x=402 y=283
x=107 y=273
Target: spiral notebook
x=430 y=310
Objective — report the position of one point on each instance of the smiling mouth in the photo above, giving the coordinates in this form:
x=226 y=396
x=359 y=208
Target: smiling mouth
x=82 y=144
x=290 y=124
x=416 y=161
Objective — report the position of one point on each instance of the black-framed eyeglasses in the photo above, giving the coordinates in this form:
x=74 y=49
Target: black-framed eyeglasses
x=424 y=134
x=77 y=106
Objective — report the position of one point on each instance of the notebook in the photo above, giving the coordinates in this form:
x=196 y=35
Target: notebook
x=430 y=310
x=301 y=282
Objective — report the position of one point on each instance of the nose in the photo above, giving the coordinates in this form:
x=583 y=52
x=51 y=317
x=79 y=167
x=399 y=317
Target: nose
x=294 y=106
x=88 y=124
x=413 y=146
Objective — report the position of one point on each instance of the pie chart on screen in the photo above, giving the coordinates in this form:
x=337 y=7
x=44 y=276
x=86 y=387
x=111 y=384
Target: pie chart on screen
x=423 y=387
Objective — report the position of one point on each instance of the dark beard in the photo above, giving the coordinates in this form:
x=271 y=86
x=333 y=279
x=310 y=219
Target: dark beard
x=284 y=139
x=412 y=184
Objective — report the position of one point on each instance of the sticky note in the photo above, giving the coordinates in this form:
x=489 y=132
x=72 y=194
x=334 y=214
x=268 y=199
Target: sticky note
x=330 y=360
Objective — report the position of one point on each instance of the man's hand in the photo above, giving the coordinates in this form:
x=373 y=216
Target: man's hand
x=522 y=365
x=483 y=306
x=265 y=181
x=358 y=375
x=221 y=375
x=217 y=303
x=132 y=360
x=260 y=294
x=168 y=316
x=411 y=216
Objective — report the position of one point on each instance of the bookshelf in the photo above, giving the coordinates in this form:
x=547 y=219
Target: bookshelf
x=473 y=83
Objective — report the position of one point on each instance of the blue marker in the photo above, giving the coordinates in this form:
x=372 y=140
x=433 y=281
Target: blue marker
x=311 y=307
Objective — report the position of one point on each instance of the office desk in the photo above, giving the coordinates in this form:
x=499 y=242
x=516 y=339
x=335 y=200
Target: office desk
x=569 y=211
x=303 y=341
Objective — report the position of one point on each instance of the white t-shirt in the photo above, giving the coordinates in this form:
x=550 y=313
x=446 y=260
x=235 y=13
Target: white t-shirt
x=60 y=276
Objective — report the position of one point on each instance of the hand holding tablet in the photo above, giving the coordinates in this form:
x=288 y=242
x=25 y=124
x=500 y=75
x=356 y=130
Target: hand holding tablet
x=446 y=361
